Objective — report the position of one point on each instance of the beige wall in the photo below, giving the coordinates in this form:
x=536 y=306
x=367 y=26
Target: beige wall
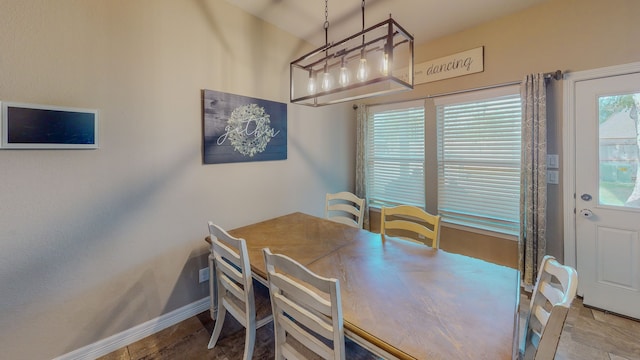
x=94 y=242
x=567 y=35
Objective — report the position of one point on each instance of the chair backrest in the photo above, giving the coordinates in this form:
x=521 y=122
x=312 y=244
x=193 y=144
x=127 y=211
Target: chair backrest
x=301 y=312
x=344 y=207
x=552 y=296
x=411 y=219
x=233 y=282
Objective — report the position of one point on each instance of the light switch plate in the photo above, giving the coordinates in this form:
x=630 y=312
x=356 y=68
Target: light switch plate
x=552 y=176
x=553 y=161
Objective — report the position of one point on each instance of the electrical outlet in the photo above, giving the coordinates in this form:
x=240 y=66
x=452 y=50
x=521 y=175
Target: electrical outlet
x=203 y=275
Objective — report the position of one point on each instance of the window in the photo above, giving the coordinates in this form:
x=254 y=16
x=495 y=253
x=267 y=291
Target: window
x=395 y=154
x=479 y=137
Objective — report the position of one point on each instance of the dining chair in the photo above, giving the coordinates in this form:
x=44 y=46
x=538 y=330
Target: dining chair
x=344 y=207
x=307 y=311
x=419 y=223
x=232 y=288
x=552 y=295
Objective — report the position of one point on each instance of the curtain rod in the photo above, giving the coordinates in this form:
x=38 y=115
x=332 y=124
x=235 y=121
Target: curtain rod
x=556 y=75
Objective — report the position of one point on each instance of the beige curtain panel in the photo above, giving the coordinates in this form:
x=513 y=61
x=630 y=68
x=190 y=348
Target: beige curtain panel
x=361 y=161
x=533 y=180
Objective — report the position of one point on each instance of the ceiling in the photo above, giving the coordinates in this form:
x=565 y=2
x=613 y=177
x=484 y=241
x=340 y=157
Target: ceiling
x=424 y=19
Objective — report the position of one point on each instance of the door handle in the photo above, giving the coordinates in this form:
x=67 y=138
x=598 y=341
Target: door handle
x=586 y=213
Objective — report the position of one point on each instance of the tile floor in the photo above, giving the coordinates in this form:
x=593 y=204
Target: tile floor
x=591 y=334
x=588 y=334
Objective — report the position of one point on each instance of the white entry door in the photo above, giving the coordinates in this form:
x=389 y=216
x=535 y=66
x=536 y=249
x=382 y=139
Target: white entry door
x=607 y=192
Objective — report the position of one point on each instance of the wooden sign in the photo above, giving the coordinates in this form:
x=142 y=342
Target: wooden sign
x=463 y=63
x=240 y=129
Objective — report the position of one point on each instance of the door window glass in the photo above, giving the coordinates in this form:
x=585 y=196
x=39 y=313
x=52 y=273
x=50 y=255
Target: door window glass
x=618 y=139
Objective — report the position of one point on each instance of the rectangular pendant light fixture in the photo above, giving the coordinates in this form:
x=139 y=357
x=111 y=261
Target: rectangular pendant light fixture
x=376 y=61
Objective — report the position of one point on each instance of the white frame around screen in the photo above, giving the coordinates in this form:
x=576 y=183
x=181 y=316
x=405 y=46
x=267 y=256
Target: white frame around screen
x=4 y=134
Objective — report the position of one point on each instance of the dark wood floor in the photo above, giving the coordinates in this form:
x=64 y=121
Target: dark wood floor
x=588 y=334
x=189 y=339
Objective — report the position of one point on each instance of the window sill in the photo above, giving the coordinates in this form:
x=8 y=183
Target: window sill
x=480 y=231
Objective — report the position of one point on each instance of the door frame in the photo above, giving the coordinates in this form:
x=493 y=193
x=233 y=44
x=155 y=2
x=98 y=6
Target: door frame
x=569 y=146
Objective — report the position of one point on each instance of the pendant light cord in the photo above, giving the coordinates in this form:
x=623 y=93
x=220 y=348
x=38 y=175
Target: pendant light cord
x=362 y=21
x=326 y=22
x=362 y=14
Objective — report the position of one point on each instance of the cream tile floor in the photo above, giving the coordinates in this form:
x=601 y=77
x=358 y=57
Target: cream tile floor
x=588 y=334
x=595 y=334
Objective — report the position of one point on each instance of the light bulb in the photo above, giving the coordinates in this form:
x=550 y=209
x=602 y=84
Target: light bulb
x=326 y=80
x=384 y=64
x=363 y=70
x=344 y=77
x=311 y=85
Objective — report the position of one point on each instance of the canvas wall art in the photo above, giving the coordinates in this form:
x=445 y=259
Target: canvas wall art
x=239 y=129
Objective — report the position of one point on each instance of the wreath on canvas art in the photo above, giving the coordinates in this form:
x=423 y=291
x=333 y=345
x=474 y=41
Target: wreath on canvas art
x=249 y=129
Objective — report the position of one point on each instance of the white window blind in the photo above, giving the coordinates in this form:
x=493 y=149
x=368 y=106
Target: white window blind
x=479 y=137
x=395 y=154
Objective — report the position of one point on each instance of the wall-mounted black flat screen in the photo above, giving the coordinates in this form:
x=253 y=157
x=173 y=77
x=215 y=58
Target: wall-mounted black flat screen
x=29 y=126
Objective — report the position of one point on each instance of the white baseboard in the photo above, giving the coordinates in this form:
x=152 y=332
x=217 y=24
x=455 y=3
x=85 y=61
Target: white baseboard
x=127 y=337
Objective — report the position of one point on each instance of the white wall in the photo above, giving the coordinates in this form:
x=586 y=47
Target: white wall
x=93 y=242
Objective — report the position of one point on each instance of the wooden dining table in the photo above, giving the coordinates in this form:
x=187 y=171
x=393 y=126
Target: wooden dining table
x=400 y=299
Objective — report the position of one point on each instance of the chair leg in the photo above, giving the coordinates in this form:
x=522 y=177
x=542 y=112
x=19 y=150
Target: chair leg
x=217 y=329
x=280 y=337
x=249 y=342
